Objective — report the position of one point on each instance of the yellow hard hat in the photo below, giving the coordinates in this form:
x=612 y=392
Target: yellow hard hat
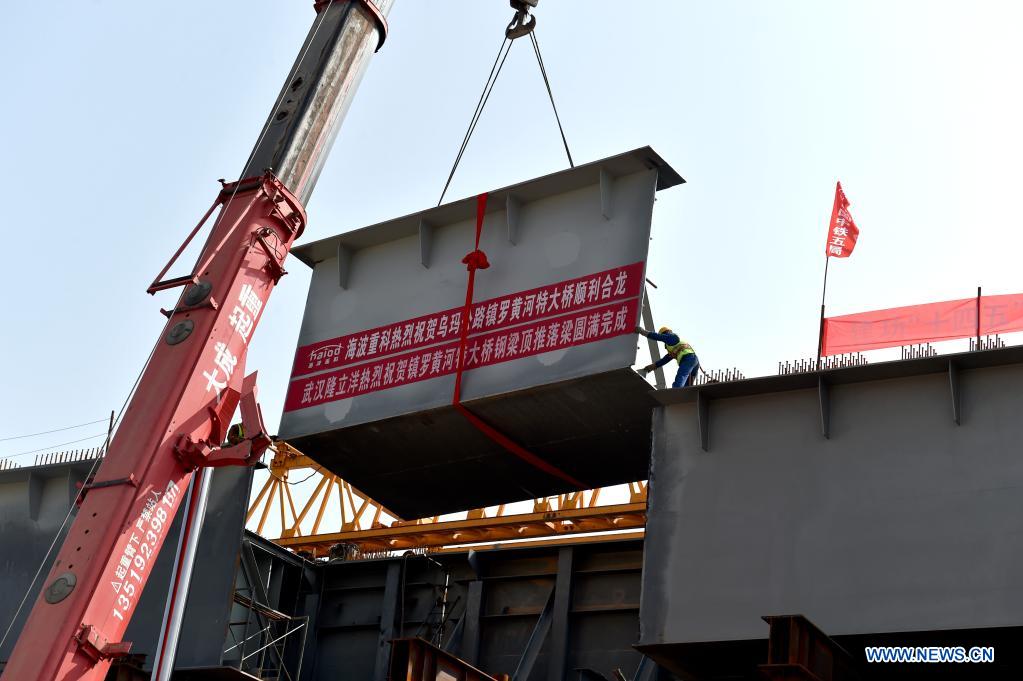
x=664 y=329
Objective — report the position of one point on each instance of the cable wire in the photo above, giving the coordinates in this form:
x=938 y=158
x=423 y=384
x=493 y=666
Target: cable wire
x=81 y=490
x=297 y=482
x=42 y=563
x=547 y=82
x=488 y=88
x=495 y=71
x=55 y=430
x=41 y=449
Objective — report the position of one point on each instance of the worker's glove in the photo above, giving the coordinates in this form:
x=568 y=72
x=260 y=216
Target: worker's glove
x=640 y=330
x=646 y=370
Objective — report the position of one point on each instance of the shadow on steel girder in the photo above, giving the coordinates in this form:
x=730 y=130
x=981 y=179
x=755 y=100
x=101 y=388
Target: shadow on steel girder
x=596 y=429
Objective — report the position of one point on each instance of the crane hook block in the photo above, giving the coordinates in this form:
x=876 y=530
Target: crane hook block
x=519 y=26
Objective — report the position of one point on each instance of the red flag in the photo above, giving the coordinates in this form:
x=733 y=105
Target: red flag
x=843 y=232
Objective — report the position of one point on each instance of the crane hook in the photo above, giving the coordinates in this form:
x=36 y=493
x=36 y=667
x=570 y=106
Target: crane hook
x=519 y=26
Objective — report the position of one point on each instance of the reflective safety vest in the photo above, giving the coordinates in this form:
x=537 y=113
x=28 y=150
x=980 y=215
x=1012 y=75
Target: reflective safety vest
x=680 y=350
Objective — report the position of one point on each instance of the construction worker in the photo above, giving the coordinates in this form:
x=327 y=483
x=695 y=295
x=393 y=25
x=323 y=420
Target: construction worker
x=678 y=350
x=235 y=435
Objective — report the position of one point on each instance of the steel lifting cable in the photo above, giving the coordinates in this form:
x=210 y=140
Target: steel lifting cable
x=488 y=87
x=547 y=82
x=477 y=259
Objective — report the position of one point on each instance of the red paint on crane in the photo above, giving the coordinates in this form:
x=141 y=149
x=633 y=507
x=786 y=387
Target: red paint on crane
x=176 y=419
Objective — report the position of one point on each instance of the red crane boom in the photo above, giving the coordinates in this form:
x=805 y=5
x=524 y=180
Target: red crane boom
x=188 y=392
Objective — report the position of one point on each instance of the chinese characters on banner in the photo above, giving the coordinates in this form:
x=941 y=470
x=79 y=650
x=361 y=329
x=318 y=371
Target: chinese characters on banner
x=843 y=232
x=928 y=323
x=516 y=308
x=536 y=337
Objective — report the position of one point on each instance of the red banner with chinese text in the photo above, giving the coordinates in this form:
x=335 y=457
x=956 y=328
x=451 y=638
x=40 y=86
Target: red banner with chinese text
x=842 y=232
x=539 y=336
x=515 y=308
x=928 y=323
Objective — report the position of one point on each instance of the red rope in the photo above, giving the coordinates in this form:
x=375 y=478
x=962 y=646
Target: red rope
x=477 y=260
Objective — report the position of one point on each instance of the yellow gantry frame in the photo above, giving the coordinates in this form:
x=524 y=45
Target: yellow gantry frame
x=373 y=528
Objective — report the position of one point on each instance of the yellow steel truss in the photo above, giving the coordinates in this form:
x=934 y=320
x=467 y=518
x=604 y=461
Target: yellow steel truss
x=371 y=528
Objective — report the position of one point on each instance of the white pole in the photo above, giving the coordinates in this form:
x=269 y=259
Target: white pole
x=181 y=577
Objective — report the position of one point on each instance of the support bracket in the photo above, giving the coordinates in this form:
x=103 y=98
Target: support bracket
x=953 y=384
x=90 y=484
x=606 y=185
x=511 y=211
x=274 y=259
x=824 y=403
x=470 y=651
x=703 y=416
x=536 y=641
x=795 y=647
x=210 y=302
x=344 y=265
x=130 y=480
x=287 y=211
x=557 y=655
x=425 y=242
x=95 y=645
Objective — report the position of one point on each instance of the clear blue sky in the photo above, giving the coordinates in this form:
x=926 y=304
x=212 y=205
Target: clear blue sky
x=119 y=117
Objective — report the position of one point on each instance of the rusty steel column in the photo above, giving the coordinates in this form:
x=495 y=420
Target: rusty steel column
x=413 y=659
x=799 y=651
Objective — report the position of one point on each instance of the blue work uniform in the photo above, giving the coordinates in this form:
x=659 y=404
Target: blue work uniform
x=680 y=351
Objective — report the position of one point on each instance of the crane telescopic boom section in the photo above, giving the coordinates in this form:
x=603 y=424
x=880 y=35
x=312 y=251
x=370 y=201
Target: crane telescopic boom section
x=188 y=392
